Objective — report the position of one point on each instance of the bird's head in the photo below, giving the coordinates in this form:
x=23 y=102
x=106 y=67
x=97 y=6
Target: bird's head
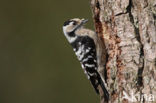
x=73 y=24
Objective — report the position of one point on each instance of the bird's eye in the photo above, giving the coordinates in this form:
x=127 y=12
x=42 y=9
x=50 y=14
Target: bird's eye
x=74 y=23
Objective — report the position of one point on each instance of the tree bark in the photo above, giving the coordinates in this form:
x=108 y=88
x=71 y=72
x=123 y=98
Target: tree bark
x=128 y=30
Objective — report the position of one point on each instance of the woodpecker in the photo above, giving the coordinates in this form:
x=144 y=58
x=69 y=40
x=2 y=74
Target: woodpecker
x=88 y=49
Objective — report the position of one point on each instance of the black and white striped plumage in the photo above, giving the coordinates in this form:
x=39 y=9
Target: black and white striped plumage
x=86 y=47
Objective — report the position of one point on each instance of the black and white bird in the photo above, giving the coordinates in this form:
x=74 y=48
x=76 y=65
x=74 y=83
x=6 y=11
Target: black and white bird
x=87 y=48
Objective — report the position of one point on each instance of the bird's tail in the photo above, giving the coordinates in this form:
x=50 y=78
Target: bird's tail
x=96 y=82
x=105 y=92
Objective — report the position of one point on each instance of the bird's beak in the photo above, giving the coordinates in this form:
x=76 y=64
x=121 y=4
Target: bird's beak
x=84 y=21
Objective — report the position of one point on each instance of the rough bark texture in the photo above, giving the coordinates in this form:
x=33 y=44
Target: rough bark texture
x=128 y=30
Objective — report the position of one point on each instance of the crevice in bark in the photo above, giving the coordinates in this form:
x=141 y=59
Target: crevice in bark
x=137 y=33
x=155 y=62
x=140 y=79
x=99 y=30
x=140 y=70
x=128 y=10
x=98 y=25
x=154 y=16
x=105 y=71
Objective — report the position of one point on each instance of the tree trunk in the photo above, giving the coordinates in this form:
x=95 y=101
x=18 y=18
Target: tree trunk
x=128 y=30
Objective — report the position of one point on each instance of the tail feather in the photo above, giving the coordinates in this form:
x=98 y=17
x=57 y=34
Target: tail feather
x=106 y=94
x=97 y=81
x=94 y=84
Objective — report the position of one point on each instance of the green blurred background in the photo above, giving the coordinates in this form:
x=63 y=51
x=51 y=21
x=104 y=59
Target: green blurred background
x=37 y=65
